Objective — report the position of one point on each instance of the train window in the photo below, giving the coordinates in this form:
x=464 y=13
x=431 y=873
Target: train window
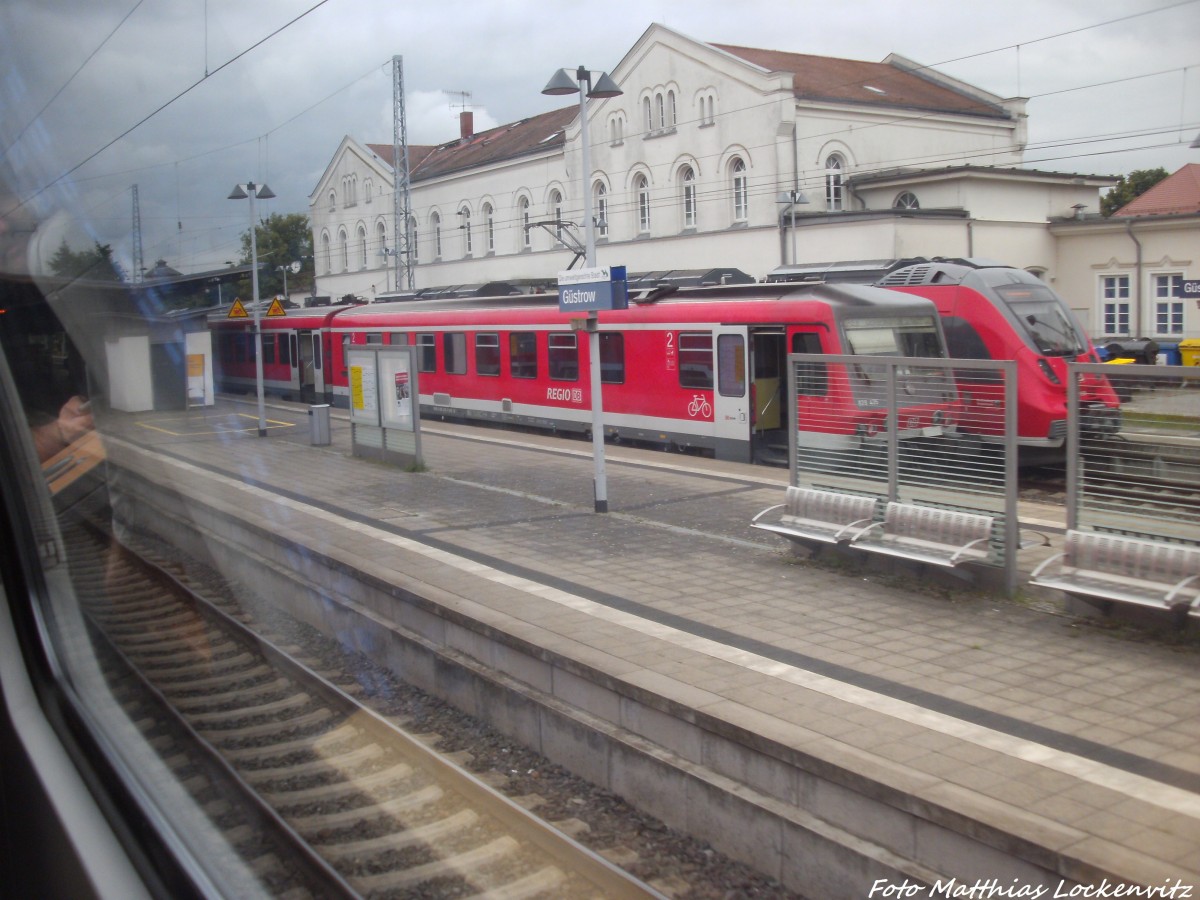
x=696 y=361
x=292 y=344
x=812 y=378
x=426 y=353
x=564 y=357
x=487 y=354
x=268 y=342
x=316 y=345
x=612 y=357
x=910 y=336
x=284 y=346
x=454 y=350
x=731 y=365
x=374 y=337
x=522 y=354
x=964 y=342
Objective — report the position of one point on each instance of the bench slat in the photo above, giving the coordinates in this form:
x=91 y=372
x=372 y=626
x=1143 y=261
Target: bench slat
x=929 y=534
x=815 y=515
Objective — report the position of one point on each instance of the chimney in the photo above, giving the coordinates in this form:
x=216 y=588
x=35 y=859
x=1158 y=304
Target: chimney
x=466 y=123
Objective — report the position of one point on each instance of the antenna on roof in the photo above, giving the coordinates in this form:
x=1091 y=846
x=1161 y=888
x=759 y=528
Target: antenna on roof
x=464 y=99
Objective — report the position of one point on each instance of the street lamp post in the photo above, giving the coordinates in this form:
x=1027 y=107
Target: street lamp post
x=561 y=84
x=259 y=192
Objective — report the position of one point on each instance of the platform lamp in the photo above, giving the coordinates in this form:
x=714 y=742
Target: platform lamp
x=561 y=84
x=255 y=192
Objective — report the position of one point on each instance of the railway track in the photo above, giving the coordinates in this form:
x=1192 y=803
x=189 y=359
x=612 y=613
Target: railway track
x=320 y=796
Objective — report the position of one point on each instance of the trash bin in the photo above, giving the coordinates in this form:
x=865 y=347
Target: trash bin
x=1189 y=352
x=1168 y=354
x=319 y=424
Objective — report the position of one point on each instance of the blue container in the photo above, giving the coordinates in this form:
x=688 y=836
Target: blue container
x=1102 y=354
x=1169 y=355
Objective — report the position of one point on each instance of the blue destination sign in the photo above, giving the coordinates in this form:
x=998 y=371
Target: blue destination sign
x=588 y=290
x=1189 y=288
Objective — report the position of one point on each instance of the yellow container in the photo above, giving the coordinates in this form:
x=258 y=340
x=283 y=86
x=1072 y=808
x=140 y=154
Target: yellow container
x=1189 y=352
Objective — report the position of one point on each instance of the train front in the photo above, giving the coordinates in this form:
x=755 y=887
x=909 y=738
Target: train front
x=848 y=403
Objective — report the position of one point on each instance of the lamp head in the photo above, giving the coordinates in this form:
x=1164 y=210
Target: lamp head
x=265 y=193
x=561 y=84
x=238 y=193
x=604 y=88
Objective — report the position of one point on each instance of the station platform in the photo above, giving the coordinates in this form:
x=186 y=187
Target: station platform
x=876 y=732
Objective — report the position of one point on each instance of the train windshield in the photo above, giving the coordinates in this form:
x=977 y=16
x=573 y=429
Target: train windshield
x=1045 y=319
x=907 y=336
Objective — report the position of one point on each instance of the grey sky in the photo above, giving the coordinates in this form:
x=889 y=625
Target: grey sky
x=1104 y=98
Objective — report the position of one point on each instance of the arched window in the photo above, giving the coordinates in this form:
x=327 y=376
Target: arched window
x=641 y=187
x=834 y=188
x=362 y=244
x=381 y=240
x=687 y=178
x=671 y=109
x=741 y=193
x=660 y=112
x=523 y=216
x=344 y=246
x=556 y=213
x=489 y=229
x=332 y=201
x=435 y=225
x=326 y=253
x=712 y=109
x=907 y=200
x=465 y=217
x=600 y=208
x=368 y=187
x=647 y=115
x=411 y=249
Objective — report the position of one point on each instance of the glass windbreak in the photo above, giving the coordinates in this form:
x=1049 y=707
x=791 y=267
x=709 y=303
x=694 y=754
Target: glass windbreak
x=1044 y=318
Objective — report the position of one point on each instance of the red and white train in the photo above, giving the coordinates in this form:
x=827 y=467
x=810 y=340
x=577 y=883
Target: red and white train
x=993 y=311
x=689 y=368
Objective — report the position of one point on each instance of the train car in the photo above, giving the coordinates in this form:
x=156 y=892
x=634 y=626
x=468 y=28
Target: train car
x=296 y=348
x=993 y=311
x=698 y=368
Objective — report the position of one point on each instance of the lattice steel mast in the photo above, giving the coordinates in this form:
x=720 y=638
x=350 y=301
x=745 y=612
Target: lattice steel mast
x=402 y=198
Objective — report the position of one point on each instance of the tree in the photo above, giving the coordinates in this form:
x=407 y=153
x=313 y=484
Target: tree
x=96 y=264
x=1130 y=186
x=281 y=239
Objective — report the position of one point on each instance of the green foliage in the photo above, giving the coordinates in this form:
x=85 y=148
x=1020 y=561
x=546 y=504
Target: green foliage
x=1129 y=187
x=96 y=264
x=281 y=239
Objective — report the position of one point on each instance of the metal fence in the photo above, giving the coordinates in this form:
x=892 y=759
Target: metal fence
x=926 y=432
x=1139 y=477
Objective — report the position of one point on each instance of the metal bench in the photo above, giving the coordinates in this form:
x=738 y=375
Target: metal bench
x=813 y=515
x=1125 y=569
x=943 y=537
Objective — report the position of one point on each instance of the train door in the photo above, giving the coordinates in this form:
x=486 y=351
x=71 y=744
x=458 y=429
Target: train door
x=312 y=369
x=768 y=394
x=731 y=397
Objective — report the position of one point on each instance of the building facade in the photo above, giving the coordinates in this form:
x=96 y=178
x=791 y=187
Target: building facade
x=716 y=155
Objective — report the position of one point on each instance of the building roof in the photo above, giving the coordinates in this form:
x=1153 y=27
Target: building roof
x=878 y=84
x=1175 y=194
x=531 y=135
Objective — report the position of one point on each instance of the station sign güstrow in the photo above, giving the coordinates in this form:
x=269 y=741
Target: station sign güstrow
x=592 y=289
x=1188 y=288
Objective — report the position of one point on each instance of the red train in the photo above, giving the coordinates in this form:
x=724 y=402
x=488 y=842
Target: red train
x=688 y=368
x=993 y=311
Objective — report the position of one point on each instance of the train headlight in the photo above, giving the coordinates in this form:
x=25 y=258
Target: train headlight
x=1048 y=372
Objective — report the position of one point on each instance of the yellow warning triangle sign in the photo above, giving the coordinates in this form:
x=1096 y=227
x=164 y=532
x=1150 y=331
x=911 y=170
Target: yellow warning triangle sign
x=276 y=308
x=237 y=311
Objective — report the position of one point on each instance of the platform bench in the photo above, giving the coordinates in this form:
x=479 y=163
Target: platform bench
x=928 y=534
x=1124 y=569
x=813 y=515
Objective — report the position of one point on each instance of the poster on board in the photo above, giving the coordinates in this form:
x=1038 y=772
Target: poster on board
x=396 y=384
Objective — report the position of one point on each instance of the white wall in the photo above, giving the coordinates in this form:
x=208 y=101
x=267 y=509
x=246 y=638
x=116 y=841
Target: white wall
x=129 y=388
